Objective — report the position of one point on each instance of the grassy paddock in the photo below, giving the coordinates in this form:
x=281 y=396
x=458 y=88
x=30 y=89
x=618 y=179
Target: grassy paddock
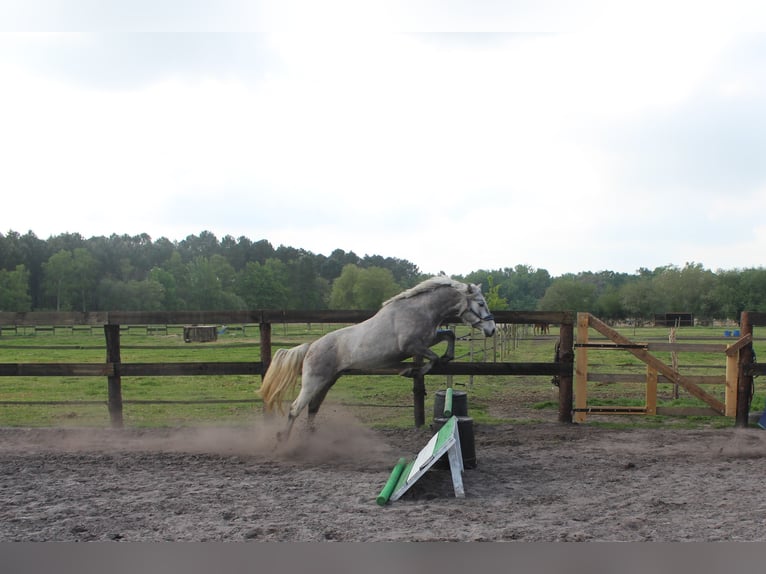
x=376 y=400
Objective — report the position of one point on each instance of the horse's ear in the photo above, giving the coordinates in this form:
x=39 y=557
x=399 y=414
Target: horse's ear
x=473 y=288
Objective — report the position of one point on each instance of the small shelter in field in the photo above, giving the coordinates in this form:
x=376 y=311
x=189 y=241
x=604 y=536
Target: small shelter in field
x=200 y=333
x=674 y=320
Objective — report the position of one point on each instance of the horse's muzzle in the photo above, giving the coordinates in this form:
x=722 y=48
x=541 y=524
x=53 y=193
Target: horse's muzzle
x=487 y=325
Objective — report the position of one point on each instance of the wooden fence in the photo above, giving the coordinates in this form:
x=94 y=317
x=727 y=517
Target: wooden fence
x=740 y=368
x=114 y=369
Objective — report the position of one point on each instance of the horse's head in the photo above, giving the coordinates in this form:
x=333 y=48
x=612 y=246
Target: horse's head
x=477 y=313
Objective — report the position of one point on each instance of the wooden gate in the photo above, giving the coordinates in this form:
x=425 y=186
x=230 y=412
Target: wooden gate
x=655 y=369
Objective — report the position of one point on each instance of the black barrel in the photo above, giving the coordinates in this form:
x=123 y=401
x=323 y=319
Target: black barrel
x=467 y=443
x=459 y=404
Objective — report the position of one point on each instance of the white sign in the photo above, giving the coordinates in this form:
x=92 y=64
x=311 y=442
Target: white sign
x=447 y=440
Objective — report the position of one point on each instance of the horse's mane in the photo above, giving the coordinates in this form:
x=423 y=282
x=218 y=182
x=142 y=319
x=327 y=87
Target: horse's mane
x=427 y=286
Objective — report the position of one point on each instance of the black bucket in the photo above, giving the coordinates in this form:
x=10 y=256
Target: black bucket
x=467 y=444
x=459 y=404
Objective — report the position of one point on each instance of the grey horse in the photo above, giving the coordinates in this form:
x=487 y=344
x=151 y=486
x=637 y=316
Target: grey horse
x=407 y=325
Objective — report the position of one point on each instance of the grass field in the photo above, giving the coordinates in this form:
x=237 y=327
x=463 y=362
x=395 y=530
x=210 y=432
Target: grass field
x=377 y=400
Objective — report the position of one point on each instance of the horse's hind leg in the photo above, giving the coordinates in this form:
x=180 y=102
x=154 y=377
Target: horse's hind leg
x=311 y=395
x=316 y=402
x=295 y=409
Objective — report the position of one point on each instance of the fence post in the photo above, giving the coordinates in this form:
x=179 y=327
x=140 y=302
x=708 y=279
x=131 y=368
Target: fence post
x=732 y=378
x=651 y=390
x=114 y=381
x=419 y=393
x=581 y=382
x=745 y=378
x=265 y=332
x=566 y=361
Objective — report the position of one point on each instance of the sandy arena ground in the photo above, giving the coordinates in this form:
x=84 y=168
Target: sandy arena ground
x=536 y=482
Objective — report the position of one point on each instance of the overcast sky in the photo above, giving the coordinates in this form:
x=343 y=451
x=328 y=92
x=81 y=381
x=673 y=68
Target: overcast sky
x=569 y=136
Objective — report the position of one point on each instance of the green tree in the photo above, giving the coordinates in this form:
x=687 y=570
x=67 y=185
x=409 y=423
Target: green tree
x=260 y=251
x=374 y=286
x=224 y=272
x=494 y=301
x=85 y=276
x=567 y=293
x=14 y=290
x=307 y=289
x=65 y=242
x=58 y=280
x=331 y=267
x=68 y=272
x=342 y=293
x=11 y=252
x=35 y=252
x=180 y=273
x=358 y=288
x=207 y=281
x=609 y=304
x=405 y=273
x=690 y=289
x=205 y=245
x=70 y=278
x=729 y=296
x=522 y=287
x=132 y=295
x=526 y=287
x=170 y=298
x=264 y=286
x=639 y=300
x=753 y=289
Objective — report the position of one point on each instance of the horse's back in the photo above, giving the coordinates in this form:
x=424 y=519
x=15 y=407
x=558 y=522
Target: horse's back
x=371 y=343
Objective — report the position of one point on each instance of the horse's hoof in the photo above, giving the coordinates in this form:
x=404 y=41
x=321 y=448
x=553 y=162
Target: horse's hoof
x=281 y=437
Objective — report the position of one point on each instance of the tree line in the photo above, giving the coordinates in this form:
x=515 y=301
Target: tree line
x=68 y=272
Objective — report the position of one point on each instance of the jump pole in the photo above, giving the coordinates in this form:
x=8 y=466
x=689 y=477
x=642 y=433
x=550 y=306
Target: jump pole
x=396 y=473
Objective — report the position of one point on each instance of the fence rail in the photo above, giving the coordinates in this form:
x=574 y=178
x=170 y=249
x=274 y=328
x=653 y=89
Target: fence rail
x=97 y=318
x=114 y=369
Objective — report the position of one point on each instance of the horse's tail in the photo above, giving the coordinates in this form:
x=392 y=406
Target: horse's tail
x=282 y=376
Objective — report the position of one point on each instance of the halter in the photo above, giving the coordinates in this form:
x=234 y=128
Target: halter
x=480 y=319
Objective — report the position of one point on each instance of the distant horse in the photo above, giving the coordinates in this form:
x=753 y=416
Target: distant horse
x=541 y=329
x=405 y=326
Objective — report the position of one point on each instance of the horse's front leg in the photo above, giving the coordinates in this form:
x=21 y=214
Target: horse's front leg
x=449 y=336
x=431 y=359
x=423 y=349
